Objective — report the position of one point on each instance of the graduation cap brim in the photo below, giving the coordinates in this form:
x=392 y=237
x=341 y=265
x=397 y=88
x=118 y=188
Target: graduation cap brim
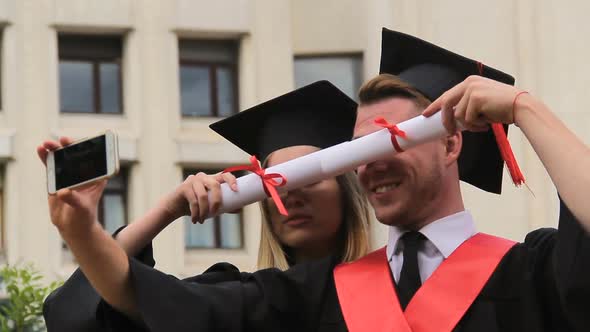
x=318 y=114
x=432 y=70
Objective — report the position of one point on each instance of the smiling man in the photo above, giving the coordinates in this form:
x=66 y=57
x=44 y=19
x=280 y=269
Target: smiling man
x=446 y=276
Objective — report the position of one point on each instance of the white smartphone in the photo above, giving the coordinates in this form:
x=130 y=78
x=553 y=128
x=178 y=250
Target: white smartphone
x=83 y=162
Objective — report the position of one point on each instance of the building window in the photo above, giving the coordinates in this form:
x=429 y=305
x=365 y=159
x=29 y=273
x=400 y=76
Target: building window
x=208 y=77
x=90 y=74
x=112 y=208
x=2 y=207
x=224 y=231
x=344 y=71
x=1 y=64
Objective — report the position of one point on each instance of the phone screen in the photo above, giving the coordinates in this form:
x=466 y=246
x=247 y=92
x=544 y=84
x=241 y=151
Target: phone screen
x=80 y=162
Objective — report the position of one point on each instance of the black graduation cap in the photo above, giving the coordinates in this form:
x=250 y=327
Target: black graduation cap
x=318 y=114
x=433 y=70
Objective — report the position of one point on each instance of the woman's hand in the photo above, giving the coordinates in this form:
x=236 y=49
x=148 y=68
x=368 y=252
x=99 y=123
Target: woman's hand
x=198 y=196
x=72 y=210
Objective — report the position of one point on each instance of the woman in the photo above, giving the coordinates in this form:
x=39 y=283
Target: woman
x=338 y=202
x=326 y=219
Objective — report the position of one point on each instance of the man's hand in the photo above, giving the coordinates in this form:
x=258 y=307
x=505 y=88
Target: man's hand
x=475 y=103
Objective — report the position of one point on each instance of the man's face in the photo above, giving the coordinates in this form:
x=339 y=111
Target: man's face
x=404 y=186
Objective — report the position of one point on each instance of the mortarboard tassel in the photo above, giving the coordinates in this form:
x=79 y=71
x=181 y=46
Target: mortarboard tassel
x=507 y=154
x=504 y=145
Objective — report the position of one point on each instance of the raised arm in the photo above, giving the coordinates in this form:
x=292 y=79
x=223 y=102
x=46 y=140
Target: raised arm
x=102 y=259
x=195 y=197
x=565 y=157
x=198 y=194
x=478 y=101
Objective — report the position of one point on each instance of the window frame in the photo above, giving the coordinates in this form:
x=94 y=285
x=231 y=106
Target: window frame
x=346 y=55
x=212 y=67
x=124 y=173
x=216 y=220
x=95 y=60
x=2 y=207
x=1 y=66
x=358 y=56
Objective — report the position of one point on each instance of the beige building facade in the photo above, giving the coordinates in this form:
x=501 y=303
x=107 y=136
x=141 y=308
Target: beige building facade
x=161 y=46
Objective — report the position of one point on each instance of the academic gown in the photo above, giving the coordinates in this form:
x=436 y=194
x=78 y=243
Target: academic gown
x=221 y=299
x=542 y=284
x=73 y=306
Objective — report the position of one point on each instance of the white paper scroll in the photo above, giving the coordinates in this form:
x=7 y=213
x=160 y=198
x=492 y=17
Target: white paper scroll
x=333 y=161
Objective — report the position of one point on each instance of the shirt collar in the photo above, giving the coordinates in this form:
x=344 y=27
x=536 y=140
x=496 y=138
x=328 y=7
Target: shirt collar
x=446 y=234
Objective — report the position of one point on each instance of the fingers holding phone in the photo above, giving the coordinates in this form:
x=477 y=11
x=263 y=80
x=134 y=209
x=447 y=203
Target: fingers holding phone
x=74 y=164
x=45 y=147
x=76 y=176
x=74 y=210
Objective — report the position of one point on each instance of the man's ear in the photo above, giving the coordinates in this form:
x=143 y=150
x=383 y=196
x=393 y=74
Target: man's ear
x=453 y=145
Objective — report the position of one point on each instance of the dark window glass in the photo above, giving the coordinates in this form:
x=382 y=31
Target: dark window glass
x=76 y=86
x=90 y=74
x=208 y=77
x=110 y=87
x=2 y=170
x=195 y=87
x=225 y=92
x=1 y=65
x=112 y=208
x=224 y=231
x=344 y=71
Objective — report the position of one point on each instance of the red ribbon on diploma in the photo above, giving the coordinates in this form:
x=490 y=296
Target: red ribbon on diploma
x=394 y=130
x=268 y=180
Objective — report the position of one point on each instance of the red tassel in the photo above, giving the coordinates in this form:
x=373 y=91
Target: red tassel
x=507 y=155
x=504 y=145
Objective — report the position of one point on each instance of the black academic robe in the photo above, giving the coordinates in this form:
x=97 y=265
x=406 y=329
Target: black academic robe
x=542 y=284
x=73 y=306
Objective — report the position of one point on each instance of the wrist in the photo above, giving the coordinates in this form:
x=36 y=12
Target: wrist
x=523 y=108
x=164 y=213
x=79 y=231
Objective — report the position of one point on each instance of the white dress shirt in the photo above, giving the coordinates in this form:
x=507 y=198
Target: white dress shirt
x=443 y=236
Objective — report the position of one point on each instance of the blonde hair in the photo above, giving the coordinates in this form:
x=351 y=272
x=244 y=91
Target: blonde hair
x=354 y=228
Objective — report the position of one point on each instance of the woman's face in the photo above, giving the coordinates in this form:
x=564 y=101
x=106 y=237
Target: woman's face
x=315 y=211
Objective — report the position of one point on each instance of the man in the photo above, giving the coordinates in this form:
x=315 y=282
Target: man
x=447 y=278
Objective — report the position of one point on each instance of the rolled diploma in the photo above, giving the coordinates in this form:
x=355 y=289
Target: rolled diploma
x=332 y=161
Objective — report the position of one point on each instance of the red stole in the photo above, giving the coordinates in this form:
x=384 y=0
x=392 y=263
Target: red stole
x=369 y=302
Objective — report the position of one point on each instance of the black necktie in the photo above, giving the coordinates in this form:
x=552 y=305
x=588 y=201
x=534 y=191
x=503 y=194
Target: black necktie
x=409 y=279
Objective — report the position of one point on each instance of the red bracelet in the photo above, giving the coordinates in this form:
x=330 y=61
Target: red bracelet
x=514 y=106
